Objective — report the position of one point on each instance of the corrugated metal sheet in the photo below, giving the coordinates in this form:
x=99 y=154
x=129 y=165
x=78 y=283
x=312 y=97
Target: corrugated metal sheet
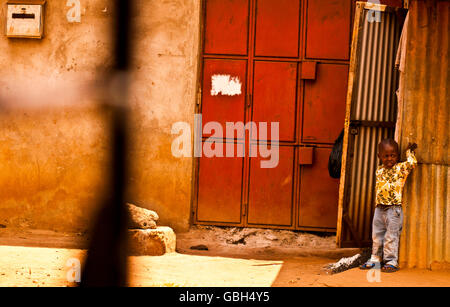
x=375 y=92
x=425 y=241
x=427 y=105
x=373 y=113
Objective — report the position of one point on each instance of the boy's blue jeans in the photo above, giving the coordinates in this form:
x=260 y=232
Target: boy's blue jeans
x=386 y=229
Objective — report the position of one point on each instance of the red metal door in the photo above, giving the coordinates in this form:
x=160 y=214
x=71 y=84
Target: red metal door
x=270 y=193
x=277 y=28
x=327 y=43
x=218 y=107
x=226 y=24
x=291 y=60
x=318 y=193
x=220 y=179
x=324 y=104
x=275 y=96
x=328 y=29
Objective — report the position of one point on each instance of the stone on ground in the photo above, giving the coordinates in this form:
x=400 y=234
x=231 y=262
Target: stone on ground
x=141 y=218
x=151 y=242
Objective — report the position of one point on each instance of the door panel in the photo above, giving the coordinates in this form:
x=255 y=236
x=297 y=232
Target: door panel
x=318 y=193
x=274 y=96
x=225 y=105
x=220 y=185
x=270 y=190
x=226 y=25
x=324 y=104
x=277 y=28
x=328 y=29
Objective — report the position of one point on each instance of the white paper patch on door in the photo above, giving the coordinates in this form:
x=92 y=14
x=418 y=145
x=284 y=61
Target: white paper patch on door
x=225 y=85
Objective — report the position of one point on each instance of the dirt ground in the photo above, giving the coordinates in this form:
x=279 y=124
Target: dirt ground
x=235 y=257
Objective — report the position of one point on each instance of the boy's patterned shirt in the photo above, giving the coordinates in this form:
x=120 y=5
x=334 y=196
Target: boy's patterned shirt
x=390 y=182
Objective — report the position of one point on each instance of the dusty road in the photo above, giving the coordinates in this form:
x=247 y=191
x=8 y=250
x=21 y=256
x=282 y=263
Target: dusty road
x=33 y=266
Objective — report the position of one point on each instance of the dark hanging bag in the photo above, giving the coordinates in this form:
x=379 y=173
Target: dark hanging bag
x=334 y=162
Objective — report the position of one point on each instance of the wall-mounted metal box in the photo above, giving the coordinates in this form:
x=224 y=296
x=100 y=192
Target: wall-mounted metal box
x=25 y=18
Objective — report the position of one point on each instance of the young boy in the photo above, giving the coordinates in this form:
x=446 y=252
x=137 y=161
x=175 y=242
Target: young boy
x=388 y=216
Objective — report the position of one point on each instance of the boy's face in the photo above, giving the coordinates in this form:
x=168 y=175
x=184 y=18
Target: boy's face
x=388 y=155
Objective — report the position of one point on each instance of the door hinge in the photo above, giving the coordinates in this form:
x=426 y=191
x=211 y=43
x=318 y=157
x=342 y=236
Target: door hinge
x=199 y=96
x=249 y=100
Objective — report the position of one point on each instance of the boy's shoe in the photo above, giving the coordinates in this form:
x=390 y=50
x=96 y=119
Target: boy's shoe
x=389 y=268
x=369 y=265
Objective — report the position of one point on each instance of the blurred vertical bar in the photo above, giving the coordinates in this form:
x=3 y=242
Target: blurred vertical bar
x=106 y=264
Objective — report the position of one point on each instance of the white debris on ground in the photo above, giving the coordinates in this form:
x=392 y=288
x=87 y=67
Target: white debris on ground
x=347 y=263
x=344 y=262
x=257 y=237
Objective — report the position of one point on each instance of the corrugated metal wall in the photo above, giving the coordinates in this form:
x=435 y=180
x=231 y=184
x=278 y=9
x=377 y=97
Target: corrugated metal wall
x=376 y=77
x=425 y=241
x=373 y=114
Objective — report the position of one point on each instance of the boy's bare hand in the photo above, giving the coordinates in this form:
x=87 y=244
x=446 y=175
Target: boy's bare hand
x=411 y=146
